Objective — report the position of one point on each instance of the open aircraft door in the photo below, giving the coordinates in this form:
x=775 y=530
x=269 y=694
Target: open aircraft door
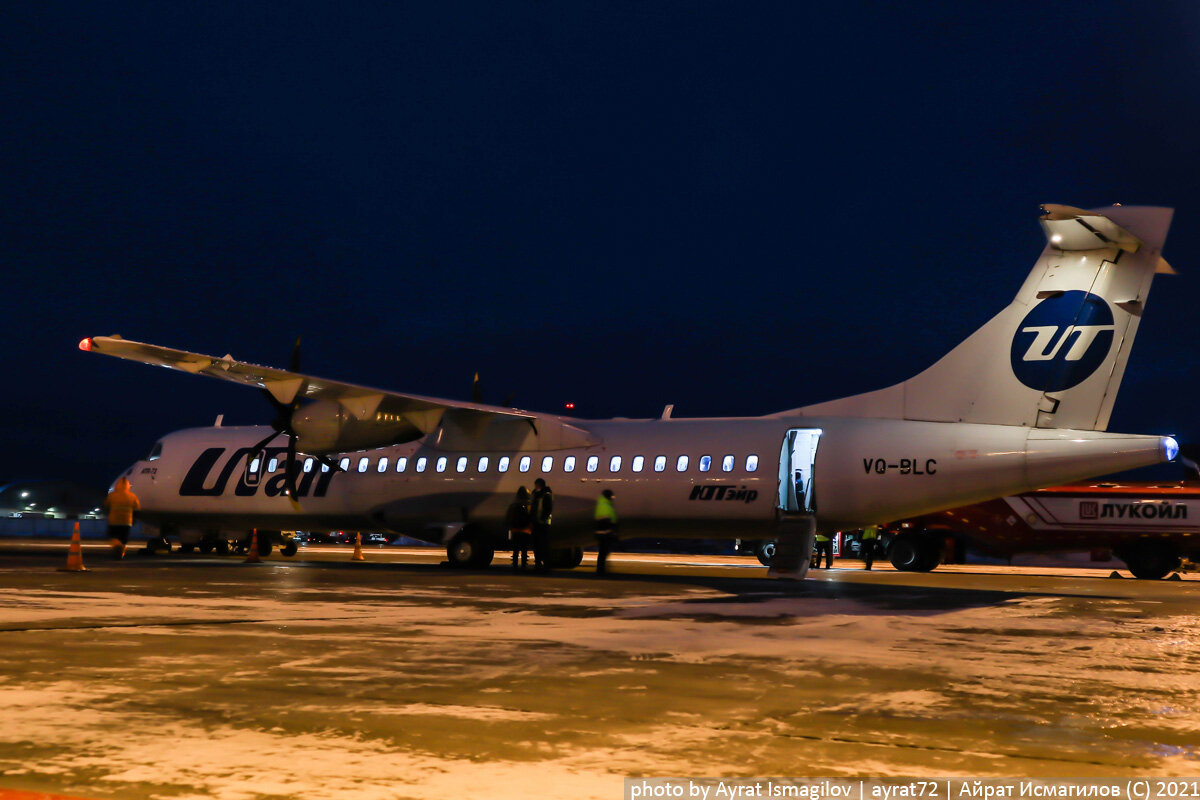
x=797 y=460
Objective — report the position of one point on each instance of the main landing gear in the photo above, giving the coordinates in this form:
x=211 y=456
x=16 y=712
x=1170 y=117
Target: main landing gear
x=472 y=548
x=916 y=551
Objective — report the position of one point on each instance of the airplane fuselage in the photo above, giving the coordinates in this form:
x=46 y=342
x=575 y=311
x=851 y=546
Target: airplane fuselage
x=719 y=478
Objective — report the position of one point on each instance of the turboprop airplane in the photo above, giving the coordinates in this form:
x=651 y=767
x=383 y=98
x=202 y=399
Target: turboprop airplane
x=1020 y=404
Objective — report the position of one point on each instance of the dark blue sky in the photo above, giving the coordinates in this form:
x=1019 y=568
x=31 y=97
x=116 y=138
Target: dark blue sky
x=734 y=207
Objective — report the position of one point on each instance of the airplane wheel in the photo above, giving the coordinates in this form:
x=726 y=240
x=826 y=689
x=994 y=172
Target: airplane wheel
x=1151 y=561
x=289 y=549
x=905 y=553
x=913 y=552
x=765 y=552
x=566 y=557
x=222 y=547
x=186 y=548
x=468 y=550
x=264 y=545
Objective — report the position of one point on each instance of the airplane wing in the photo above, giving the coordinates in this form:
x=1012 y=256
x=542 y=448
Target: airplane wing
x=286 y=386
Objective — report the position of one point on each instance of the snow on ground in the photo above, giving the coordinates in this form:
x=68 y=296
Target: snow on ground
x=493 y=689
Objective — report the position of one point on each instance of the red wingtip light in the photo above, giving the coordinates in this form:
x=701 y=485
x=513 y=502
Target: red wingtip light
x=86 y=344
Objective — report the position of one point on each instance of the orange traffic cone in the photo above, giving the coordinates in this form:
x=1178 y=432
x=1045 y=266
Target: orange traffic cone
x=253 y=557
x=74 y=554
x=358 y=556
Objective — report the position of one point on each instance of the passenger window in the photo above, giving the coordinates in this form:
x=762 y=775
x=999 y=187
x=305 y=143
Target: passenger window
x=362 y=464
x=273 y=465
x=441 y=464
x=660 y=463
x=593 y=463
x=483 y=463
x=502 y=464
x=727 y=464
x=253 y=467
x=638 y=463
x=401 y=464
x=614 y=464
x=383 y=464
x=308 y=464
x=421 y=462
x=569 y=464
x=523 y=465
x=751 y=463
x=461 y=466
x=547 y=463
x=681 y=464
x=344 y=465
x=705 y=463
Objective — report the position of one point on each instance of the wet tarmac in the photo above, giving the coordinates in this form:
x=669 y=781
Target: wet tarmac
x=198 y=677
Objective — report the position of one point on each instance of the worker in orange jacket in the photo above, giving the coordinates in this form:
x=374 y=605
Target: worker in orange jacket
x=120 y=505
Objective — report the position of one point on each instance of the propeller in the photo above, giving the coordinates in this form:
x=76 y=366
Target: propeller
x=282 y=425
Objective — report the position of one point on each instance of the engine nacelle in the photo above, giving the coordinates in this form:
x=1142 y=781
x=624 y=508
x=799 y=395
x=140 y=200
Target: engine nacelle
x=325 y=426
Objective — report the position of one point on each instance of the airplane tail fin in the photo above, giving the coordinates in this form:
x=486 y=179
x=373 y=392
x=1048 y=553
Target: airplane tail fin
x=1054 y=358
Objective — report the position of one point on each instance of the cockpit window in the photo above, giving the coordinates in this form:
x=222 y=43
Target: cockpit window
x=155 y=451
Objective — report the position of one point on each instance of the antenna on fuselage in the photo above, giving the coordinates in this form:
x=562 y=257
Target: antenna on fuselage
x=668 y=411
x=219 y=420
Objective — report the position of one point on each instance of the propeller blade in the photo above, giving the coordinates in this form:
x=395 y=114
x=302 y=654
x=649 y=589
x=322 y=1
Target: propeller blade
x=258 y=448
x=329 y=462
x=296 y=355
x=291 y=468
x=281 y=409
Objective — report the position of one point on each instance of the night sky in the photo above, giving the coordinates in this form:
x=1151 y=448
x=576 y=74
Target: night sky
x=737 y=208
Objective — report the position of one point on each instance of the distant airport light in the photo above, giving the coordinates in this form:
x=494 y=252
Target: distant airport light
x=570 y=406
x=24 y=494
x=85 y=344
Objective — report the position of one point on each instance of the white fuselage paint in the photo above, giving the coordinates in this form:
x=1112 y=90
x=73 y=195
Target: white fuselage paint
x=865 y=471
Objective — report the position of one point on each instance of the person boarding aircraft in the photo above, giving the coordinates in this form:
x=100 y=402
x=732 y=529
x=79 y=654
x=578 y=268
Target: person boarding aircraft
x=1022 y=403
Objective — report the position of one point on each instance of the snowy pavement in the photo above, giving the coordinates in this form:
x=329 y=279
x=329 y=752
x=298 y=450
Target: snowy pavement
x=209 y=678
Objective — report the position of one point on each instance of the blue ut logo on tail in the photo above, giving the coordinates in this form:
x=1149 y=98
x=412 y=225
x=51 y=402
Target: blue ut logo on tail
x=1062 y=341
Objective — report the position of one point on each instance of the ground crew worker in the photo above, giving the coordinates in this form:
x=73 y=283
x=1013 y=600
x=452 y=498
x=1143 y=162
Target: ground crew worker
x=519 y=528
x=541 y=508
x=870 y=537
x=120 y=504
x=824 y=545
x=606 y=528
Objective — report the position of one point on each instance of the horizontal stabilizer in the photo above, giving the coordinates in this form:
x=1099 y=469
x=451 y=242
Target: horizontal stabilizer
x=1069 y=228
